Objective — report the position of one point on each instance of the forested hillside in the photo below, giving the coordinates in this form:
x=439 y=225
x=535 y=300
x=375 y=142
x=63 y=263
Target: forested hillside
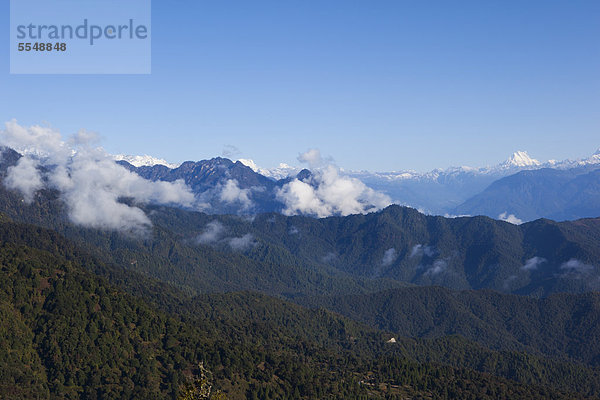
x=70 y=334
x=560 y=326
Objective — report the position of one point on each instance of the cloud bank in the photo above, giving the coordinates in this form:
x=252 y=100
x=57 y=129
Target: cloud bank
x=88 y=180
x=328 y=192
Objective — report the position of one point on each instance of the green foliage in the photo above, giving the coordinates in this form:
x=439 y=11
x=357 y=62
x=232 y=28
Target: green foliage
x=83 y=337
x=560 y=326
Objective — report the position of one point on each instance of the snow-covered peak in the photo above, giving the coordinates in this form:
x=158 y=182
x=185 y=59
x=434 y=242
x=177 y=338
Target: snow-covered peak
x=521 y=159
x=593 y=159
x=249 y=163
x=143 y=161
x=282 y=171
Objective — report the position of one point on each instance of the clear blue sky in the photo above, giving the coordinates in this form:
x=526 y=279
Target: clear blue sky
x=378 y=85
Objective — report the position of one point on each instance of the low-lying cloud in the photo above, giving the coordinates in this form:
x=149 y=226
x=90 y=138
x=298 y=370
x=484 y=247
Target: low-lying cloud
x=510 y=218
x=231 y=193
x=241 y=243
x=389 y=257
x=25 y=178
x=215 y=233
x=576 y=267
x=437 y=268
x=533 y=263
x=419 y=250
x=212 y=233
x=328 y=192
x=88 y=180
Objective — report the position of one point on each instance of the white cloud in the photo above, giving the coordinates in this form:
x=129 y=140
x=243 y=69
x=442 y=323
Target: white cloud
x=25 y=178
x=512 y=219
x=533 y=263
x=312 y=157
x=327 y=192
x=88 y=180
x=293 y=230
x=419 y=250
x=231 y=193
x=437 y=268
x=212 y=233
x=241 y=243
x=576 y=267
x=389 y=257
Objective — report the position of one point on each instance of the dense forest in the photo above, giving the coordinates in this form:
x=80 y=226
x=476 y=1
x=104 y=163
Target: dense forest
x=77 y=327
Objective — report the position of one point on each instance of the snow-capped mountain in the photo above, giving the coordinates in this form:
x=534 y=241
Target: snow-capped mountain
x=144 y=161
x=521 y=159
x=282 y=171
x=441 y=191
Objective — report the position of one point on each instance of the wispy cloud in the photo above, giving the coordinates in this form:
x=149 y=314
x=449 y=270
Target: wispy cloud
x=230 y=151
x=419 y=250
x=533 y=263
x=212 y=233
x=437 y=268
x=241 y=243
x=215 y=233
x=389 y=257
x=576 y=267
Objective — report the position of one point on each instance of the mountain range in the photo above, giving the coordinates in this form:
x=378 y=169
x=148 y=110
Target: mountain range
x=521 y=186
x=190 y=287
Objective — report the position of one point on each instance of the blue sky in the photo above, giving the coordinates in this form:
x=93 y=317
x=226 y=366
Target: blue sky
x=377 y=85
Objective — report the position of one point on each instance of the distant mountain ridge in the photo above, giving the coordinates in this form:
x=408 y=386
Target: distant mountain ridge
x=550 y=193
x=451 y=191
x=519 y=159
x=441 y=191
x=144 y=161
x=225 y=186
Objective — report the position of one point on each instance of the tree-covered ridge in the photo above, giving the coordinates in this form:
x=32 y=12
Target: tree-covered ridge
x=83 y=337
x=303 y=256
x=92 y=340
x=561 y=326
